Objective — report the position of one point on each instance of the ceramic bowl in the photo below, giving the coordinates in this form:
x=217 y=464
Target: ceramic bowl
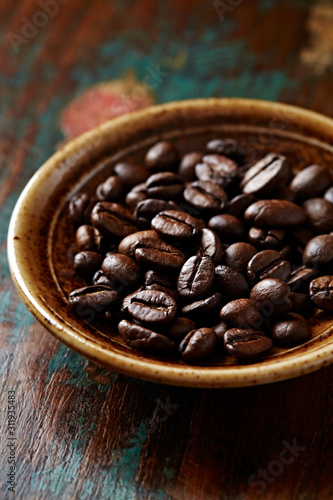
x=40 y=239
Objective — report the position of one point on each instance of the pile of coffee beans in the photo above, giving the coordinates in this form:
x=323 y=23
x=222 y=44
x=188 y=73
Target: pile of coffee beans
x=203 y=255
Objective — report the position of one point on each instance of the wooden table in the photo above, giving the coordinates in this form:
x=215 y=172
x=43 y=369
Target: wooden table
x=85 y=433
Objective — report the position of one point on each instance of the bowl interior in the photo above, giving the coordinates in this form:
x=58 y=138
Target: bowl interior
x=41 y=239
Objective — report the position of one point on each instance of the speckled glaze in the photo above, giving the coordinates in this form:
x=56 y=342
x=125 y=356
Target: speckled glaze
x=41 y=236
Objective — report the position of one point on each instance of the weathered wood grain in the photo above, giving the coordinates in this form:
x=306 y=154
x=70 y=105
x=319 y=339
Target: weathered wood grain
x=85 y=433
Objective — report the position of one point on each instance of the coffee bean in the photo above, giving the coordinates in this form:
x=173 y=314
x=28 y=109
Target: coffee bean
x=238 y=255
x=196 y=277
x=150 y=207
x=152 y=307
x=89 y=238
x=292 y=329
x=136 y=195
x=87 y=263
x=160 y=282
x=143 y=339
x=320 y=214
x=329 y=195
x=272 y=297
x=242 y=313
x=164 y=185
x=156 y=254
x=127 y=300
x=179 y=329
x=100 y=278
x=228 y=227
x=131 y=175
x=129 y=244
x=266 y=175
x=187 y=166
x=226 y=147
x=198 y=344
x=279 y=213
x=112 y=219
x=80 y=207
x=176 y=226
x=205 y=196
x=310 y=182
x=162 y=156
x=110 y=190
x=122 y=269
x=300 y=278
x=91 y=300
x=210 y=245
x=321 y=292
x=201 y=309
x=319 y=251
x=268 y=264
x=220 y=328
x=218 y=169
x=265 y=238
x=232 y=284
x=239 y=204
x=246 y=344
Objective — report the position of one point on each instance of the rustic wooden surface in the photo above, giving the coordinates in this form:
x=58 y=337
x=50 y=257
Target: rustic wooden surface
x=84 y=433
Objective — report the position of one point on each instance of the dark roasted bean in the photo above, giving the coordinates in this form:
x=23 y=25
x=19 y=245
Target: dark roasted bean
x=264 y=238
x=204 y=307
x=157 y=254
x=232 y=285
x=150 y=207
x=187 y=166
x=176 y=226
x=205 y=196
x=198 y=344
x=89 y=238
x=238 y=255
x=242 y=313
x=130 y=174
x=321 y=292
x=127 y=300
x=143 y=339
x=161 y=282
x=179 y=329
x=217 y=169
x=272 y=297
x=320 y=214
x=100 y=278
x=110 y=190
x=268 y=264
x=92 y=300
x=226 y=147
x=129 y=244
x=246 y=344
x=136 y=195
x=122 y=269
x=196 y=277
x=228 y=227
x=266 y=175
x=87 y=263
x=112 y=219
x=278 y=213
x=239 y=204
x=164 y=185
x=152 y=307
x=80 y=207
x=319 y=251
x=220 y=328
x=210 y=245
x=162 y=156
x=310 y=182
x=292 y=329
x=300 y=278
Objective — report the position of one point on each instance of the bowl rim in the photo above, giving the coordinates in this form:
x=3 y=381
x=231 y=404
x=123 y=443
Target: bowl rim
x=148 y=369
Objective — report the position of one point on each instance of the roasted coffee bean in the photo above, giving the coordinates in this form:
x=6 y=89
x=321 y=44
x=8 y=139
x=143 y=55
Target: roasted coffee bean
x=268 y=264
x=301 y=303
x=210 y=245
x=162 y=156
x=321 y=292
x=160 y=282
x=217 y=169
x=129 y=244
x=203 y=308
x=152 y=307
x=300 y=278
x=198 y=344
x=329 y=195
x=228 y=227
x=136 y=195
x=89 y=238
x=292 y=329
x=266 y=175
x=130 y=174
x=111 y=189
x=176 y=226
x=205 y=196
x=319 y=251
x=238 y=255
x=279 y=213
x=187 y=166
x=264 y=238
x=179 y=329
x=242 y=313
x=246 y=344
x=196 y=277
x=80 y=207
x=164 y=185
x=150 y=207
x=100 y=278
x=239 y=204
x=157 y=254
x=91 y=300
x=310 y=182
x=143 y=339
x=87 y=263
x=272 y=297
x=127 y=300
x=112 y=219
x=232 y=285
x=284 y=193
x=320 y=214
x=226 y=147
x=122 y=269
x=220 y=328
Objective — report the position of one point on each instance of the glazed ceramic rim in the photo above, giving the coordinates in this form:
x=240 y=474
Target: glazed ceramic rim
x=149 y=369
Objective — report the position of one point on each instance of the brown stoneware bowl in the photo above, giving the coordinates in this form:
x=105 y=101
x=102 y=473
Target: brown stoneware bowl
x=41 y=236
